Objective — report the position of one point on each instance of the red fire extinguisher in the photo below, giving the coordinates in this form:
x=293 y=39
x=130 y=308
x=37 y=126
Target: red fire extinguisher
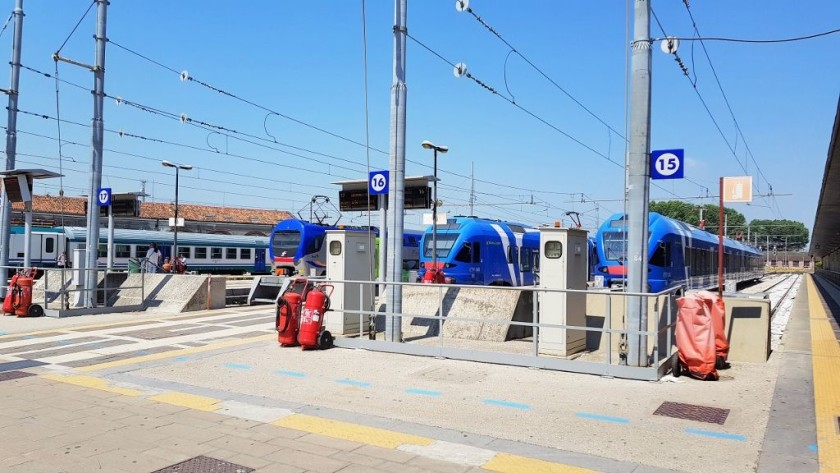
x=11 y=296
x=25 y=300
x=288 y=319
x=312 y=319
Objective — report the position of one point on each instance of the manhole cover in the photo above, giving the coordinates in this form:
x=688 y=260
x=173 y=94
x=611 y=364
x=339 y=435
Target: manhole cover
x=202 y=464
x=712 y=415
x=7 y=375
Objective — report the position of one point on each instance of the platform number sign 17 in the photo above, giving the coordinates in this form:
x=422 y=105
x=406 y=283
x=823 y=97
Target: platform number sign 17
x=667 y=164
x=378 y=182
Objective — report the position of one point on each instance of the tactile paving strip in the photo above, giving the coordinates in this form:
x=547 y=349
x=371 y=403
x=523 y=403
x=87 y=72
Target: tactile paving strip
x=9 y=375
x=712 y=415
x=202 y=464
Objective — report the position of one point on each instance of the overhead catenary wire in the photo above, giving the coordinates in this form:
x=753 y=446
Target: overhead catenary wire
x=756 y=41
x=705 y=105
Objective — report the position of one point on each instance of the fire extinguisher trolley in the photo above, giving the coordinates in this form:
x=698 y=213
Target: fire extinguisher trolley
x=18 y=299
x=312 y=334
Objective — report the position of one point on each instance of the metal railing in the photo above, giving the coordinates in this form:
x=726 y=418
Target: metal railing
x=55 y=289
x=604 y=337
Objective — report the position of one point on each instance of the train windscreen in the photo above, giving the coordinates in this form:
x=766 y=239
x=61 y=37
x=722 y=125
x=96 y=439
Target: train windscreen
x=444 y=244
x=615 y=246
x=285 y=243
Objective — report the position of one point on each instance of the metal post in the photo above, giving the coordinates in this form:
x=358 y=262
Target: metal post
x=434 y=217
x=175 y=238
x=720 y=240
x=27 y=234
x=535 y=330
x=11 y=145
x=383 y=243
x=92 y=236
x=638 y=175
x=110 y=237
x=396 y=196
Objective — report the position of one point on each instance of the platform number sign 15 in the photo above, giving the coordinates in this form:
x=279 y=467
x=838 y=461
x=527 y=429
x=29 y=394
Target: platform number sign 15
x=667 y=164
x=378 y=182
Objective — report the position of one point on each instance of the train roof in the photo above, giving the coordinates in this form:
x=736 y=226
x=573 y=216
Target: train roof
x=144 y=237
x=462 y=223
x=660 y=224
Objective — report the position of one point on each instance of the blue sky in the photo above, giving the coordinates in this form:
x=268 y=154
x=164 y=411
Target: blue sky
x=305 y=60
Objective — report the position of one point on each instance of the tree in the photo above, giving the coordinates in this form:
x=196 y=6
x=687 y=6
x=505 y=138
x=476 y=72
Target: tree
x=690 y=213
x=781 y=234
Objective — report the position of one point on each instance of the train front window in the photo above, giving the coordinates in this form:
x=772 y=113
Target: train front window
x=615 y=246
x=444 y=244
x=285 y=243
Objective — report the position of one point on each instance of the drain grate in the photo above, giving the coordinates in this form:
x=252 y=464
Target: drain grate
x=8 y=375
x=712 y=415
x=202 y=464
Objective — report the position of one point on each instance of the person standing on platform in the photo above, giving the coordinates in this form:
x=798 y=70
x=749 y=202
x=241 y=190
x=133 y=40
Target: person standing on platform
x=152 y=258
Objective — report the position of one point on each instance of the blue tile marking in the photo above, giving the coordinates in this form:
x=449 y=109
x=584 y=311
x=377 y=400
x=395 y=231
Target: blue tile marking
x=617 y=420
x=181 y=358
x=353 y=382
x=237 y=366
x=142 y=352
x=514 y=405
x=812 y=447
x=293 y=374
x=4 y=333
x=424 y=392
x=720 y=435
x=19 y=365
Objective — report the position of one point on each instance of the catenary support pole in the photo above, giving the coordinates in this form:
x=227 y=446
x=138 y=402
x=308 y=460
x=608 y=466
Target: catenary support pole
x=396 y=196
x=720 y=240
x=92 y=235
x=11 y=144
x=638 y=175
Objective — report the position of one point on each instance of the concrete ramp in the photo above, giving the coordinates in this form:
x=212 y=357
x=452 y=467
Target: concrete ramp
x=491 y=308
x=171 y=293
x=47 y=289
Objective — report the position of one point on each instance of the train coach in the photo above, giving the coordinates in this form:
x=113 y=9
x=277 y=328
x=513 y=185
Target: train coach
x=678 y=254
x=297 y=247
x=204 y=252
x=473 y=250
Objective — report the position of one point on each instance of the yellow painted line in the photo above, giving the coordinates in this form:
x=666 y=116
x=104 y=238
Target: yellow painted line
x=174 y=353
x=508 y=463
x=191 y=401
x=353 y=432
x=91 y=382
x=826 y=364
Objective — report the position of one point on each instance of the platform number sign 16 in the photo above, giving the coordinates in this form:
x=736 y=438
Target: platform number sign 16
x=378 y=182
x=667 y=164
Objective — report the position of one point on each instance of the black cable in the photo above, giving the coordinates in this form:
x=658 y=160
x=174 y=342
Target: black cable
x=75 y=27
x=760 y=41
x=542 y=73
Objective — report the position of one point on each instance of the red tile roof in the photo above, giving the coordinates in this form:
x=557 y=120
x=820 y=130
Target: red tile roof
x=197 y=213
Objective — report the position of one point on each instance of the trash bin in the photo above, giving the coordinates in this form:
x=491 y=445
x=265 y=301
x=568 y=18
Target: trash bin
x=133 y=265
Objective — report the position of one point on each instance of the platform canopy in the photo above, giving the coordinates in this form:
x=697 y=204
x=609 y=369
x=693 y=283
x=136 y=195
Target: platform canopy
x=825 y=238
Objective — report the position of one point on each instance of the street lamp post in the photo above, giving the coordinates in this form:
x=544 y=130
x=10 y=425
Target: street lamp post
x=442 y=149
x=178 y=167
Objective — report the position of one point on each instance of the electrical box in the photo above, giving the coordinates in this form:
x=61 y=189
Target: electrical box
x=350 y=257
x=564 y=263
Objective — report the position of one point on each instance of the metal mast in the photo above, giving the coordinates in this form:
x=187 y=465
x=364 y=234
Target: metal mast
x=91 y=278
x=638 y=182
x=11 y=142
x=396 y=195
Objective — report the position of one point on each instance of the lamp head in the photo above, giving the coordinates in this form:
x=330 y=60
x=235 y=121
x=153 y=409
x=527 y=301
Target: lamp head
x=186 y=167
x=427 y=144
x=167 y=164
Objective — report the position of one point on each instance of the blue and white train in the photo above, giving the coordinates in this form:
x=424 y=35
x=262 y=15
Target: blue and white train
x=297 y=247
x=473 y=250
x=204 y=253
x=678 y=254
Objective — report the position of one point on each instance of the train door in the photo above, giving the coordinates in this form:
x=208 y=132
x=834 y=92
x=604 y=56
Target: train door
x=48 y=249
x=259 y=260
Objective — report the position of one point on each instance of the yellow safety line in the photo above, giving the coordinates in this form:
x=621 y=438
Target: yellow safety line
x=174 y=353
x=508 y=463
x=91 y=382
x=825 y=358
x=353 y=432
x=191 y=401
